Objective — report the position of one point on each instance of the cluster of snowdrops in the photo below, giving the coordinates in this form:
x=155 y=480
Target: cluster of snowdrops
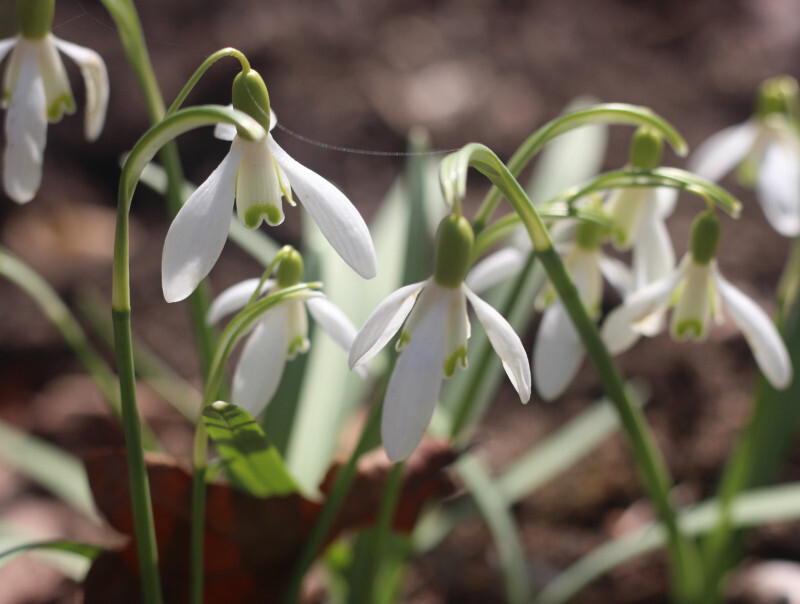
x=428 y=321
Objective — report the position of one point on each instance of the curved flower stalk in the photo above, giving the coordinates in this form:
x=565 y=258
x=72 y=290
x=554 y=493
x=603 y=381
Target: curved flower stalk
x=36 y=91
x=698 y=291
x=433 y=343
x=279 y=334
x=257 y=174
x=765 y=151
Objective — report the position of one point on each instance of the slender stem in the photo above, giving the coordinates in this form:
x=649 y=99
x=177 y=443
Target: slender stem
x=140 y=489
x=383 y=527
x=225 y=52
x=647 y=455
x=341 y=486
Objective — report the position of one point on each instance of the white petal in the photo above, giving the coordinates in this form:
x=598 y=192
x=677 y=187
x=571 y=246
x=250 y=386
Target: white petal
x=666 y=198
x=95 y=77
x=584 y=268
x=495 y=268
x=335 y=215
x=723 y=151
x=26 y=133
x=258 y=189
x=653 y=254
x=759 y=331
x=56 y=83
x=5 y=47
x=506 y=344
x=235 y=298
x=557 y=353
x=333 y=322
x=259 y=370
x=620 y=330
x=778 y=188
x=617 y=274
x=197 y=235
x=383 y=323
x=693 y=308
x=414 y=386
x=458 y=331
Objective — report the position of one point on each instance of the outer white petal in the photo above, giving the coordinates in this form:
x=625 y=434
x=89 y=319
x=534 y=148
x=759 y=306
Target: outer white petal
x=415 y=384
x=5 y=47
x=26 y=133
x=383 y=323
x=620 y=329
x=666 y=198
x=333 y=322
x=335 y=215
x=723 y=151
x=496 y=268
x=653 y=254
x=558 y=352
x=759 y=331
x=778 y=188
x=95 y=76
x=616 y=273
x=197 y=235
x=260 y=367
x=506 y=344
x=235 y=298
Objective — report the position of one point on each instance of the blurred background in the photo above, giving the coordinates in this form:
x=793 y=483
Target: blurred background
x=360 y=74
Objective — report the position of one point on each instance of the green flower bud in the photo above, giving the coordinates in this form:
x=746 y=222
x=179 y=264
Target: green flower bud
x=777 y=95
x=646 y=149
x=250 y=95
x=35 y=18
x=705 y=235
x=454 y=239
x=590 y=235
x=290 y=268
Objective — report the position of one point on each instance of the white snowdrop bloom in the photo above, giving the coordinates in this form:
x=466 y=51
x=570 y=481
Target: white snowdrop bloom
x=558 y=350
x=697 y=291
x=433 y=342
x=257 y=174
x=765 y=151
x=36 y=91
x=279 y=334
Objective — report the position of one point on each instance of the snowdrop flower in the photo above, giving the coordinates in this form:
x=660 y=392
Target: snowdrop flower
x=257 y=175
x=36 y=90
x=697 y=290
x=433 y=342
x=280 y=333
x=558 y=351
x=765 y=150
x=638 y=214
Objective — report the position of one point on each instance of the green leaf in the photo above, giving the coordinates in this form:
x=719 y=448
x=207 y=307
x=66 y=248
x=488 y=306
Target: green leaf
x=753 y=508
x=86 y=550
x=253 y=464
x=53 y=468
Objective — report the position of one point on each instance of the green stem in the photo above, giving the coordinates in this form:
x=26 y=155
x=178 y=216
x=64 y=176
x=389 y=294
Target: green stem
x=341 y=486
x=144 y=526
x=225 y=52
x=198 y=510
x=383 y=528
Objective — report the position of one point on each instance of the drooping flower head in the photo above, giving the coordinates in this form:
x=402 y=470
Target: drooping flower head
x=256 y=174
x=433 y=342
x=765 y=152
x=280 y=334
x=698 y=291
x=36 y=91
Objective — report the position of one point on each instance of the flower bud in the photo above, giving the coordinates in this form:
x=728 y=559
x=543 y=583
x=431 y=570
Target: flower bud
x=250 y=95
x=290 y=268
x=777 y=95
x=646 y=149
x=705 y=237
x=454 y=239
x=35 y=18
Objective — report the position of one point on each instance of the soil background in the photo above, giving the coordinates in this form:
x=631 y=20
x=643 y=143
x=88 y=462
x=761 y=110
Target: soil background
x=360 y=74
